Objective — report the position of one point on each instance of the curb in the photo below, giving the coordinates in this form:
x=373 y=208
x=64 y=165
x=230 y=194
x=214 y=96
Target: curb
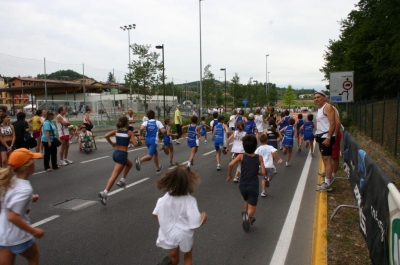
x=320 y=242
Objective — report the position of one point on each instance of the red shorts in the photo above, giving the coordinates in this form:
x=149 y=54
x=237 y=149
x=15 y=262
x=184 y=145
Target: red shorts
x=336 y=146
x=65 y=137
x=36 y=134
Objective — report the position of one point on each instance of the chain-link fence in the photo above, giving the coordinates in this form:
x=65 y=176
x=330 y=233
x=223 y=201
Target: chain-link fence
x=379 y=120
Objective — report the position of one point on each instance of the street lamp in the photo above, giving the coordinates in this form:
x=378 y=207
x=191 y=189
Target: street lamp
x=255 y=81
x=163 y=80
x=224 y=69
x=201 y=67
x=128 y=28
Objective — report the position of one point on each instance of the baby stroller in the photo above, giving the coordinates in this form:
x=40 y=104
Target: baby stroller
x=87 y=143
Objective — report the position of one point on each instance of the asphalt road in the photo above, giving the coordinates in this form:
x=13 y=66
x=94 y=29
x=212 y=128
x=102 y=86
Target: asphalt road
x=125 y=232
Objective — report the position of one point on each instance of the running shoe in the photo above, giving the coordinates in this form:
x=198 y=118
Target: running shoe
x=63 y=163
x=324 y=187
x=263 y=194
x=312 y=154
x=159 y=170
x=235 y=179
x=162 y=147
x=274 y=170
x=322 y=174
x=137 y=161
x=68 y=161
x=299 y=149
x=188 y=164
x=218 y=167
x=287 y=164
x=171 y=164
x=252 y=220
x=245 y=221
x=332 y=180
x=121 y=184
x=103 y=198
x=233 y=156
x=267 y=183
x=205 y=141
x=177 y=141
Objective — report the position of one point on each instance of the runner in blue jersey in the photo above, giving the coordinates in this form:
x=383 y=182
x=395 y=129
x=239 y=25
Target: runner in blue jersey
x=240 y=117
x=219 y=135
x=123 y=137
x=151 y=126
x=289 y=132
x=203 y=129
x=193 y=136
x=299 y=134
x=213 y=122
x=308 y=132
x=167 y=146
x=250 y=127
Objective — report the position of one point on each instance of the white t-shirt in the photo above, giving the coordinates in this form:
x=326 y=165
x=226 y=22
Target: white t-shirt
x=177 y=216
x=232 y=121
x=237 y=146
x=62 y=129
x=18 y=199
x=145 y=119
x=266 y=152
x=258 y=119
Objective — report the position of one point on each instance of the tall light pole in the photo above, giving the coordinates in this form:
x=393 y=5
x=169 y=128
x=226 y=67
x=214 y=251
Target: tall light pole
x=268 y=85
x=255 y=81
x=224 y=69
x=163 y=68
x=201 y=66
x=266 y=75
x=128 y=28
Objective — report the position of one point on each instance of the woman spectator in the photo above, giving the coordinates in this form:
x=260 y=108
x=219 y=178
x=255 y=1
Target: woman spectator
x=7 y=138
x=131 y=121
x=50 y=150
x=20 y=128
x=36 y=122
x=86 y=120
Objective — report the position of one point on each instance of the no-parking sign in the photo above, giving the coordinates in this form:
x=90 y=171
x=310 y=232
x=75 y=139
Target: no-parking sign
x=342 y=87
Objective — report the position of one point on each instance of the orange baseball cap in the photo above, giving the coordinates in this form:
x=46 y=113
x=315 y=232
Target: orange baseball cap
x=20 y=157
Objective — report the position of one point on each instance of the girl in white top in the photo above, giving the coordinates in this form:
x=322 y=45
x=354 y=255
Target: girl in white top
x=16 y=193
x=177 y=214
x=237 y=146
x=131 y=122
x=7 y=138
x=232 y=120
x=259 y=120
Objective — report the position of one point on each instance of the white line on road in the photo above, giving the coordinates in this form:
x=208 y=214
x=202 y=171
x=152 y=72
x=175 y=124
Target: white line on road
x=87 y=161
x=128 y=186
x=209 y=153
x=282 y=247
x=137 y=149
x=40 y=172
x=45 y=220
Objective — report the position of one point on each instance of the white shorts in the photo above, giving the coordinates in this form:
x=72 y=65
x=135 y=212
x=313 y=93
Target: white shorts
x=176 y=238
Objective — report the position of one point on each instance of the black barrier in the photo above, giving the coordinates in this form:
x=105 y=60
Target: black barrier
x=369 y=185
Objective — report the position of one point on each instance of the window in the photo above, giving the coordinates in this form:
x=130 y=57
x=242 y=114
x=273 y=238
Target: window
x=23 y=83
x=12 y=84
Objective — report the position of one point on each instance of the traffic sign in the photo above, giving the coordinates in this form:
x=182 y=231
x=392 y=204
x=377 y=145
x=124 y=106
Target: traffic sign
x=245 y=101
x=342 y=87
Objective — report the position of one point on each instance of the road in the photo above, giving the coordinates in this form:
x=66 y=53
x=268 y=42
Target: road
x=125 y=232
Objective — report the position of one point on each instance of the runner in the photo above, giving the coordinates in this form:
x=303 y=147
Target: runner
x=289 y=132
x=299 y=131
x=151 y=126
x=63 y=134
x=123 y=137
x=219 y=136
x=237 y=146
x=177 y=214
x=17 y=235
x=250 y=126
x=259 y=120
x=193 y=138
x=249 y=183
x=203 y=129
x=7 y=138
x=167 y=146
x=232 y=121
x=308 y=133
x=178 y=122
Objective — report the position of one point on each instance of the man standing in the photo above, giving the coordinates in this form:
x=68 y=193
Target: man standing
x=178 y=122
x=325 y=136
x=63 y=134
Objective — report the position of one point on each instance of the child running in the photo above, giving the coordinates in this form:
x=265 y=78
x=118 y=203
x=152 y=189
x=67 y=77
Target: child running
x=167 y=146
x=268 y=154
x=123 y=136
x=299 y=135
x=249 y=183
x=16 y=194
x=193 y=132
x=237 y=146
x=151 y=126
x=219 y=136
x=287 y=142
x=177 y=214
x=250 y=126
x=308 y=133
x=203 y=129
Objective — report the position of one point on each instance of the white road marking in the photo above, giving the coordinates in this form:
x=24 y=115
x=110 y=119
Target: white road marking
x=40 y=172
x=91 y=160
x=282 y=247
x=213 y=151
x=51 y=218
x=137 y=149
x=127 y=186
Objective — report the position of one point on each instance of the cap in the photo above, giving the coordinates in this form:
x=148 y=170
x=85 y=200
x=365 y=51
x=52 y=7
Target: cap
x=321 y=93
x=251 y=116
x=20 y=157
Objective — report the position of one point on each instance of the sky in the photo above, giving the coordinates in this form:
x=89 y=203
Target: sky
x=236 y=35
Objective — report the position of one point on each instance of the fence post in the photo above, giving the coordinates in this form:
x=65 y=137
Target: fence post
x=397 y=125
x=383 y=117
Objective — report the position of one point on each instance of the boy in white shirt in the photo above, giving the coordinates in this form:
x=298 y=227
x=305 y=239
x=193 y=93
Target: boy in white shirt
x=268 y=154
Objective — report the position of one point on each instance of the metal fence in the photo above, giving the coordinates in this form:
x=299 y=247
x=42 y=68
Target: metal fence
x=379 y=120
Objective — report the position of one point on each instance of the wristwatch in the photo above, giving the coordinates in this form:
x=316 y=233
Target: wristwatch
x=328 y=138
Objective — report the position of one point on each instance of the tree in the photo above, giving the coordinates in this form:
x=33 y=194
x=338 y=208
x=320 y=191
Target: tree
x=272 y=94
x=208 y=85
x=66 y=75
x=236 y=91
x=110 y=78
x=289 y=96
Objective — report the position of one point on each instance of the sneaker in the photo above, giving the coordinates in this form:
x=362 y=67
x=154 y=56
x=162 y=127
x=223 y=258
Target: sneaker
x=299 y=149
x=218 y=167
x=267 y=183
x=287 y=164
x=159 y=170
x=263 y=194
x=235 y=179
x=205 y=141
x=274 y=170
x=312 y=154
x=121 y=184
x=233 y=156
x=63 y=163
x=165 y=261
x=68 y=161
x=70 y=142
x=324 y=187
x=245 y=221
x=188 y=164
x=252 y=220
x=103 y=198
x=171 y=164
x=137 y=161
x=322 y=174
x=177 y=141
x=130 y=145
x=162 y=147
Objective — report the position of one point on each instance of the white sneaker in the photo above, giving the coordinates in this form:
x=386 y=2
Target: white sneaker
x=205 y=141
x=274 y=170
x=177 y=142
x=68 y=161
x=218 y=167
x=103 y=198
x=263 y=194
x=63 y=163
x=287 y=164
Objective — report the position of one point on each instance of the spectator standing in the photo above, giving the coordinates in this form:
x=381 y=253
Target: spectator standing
x=21 y=127
x=48 y=135
x=7 y=138
x=63 y=133
x=37 y=123
x=178 y=122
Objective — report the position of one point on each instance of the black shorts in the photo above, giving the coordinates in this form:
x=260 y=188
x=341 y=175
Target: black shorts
x=326 y=150
x=249 y=193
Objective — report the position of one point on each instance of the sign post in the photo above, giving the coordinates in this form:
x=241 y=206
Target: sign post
x=342 y=87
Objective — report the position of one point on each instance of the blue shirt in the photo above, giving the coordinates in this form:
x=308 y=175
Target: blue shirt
x=192 y=135
x=219 y=134
x=152 y=127
x=249 y=127
x=122 y=138
x=166 y=139
x=308 y=129
x=48 y=126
